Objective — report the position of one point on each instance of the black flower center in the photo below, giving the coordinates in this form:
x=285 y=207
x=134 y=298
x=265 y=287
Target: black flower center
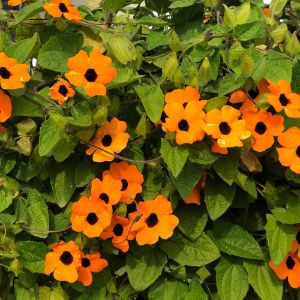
x=152 y=220
x=66 y=258
x=124 y=185
x=104 y=197
x=298 y=237
x=163 y=117
x=183 y=125
x=260 y=128
x=63 y=90
x=90 y=75
x=4 y=73
x=92 y=218
x=298 y=151
x=224 y=128
x=283 y=100
x=62 y=7
x=290 y=263
x=253 y=93
x=106 y=140
x=118 y=230
x=85 y=262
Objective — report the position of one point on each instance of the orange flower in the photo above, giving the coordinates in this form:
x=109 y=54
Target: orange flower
x=110 y=137
x=119 y=232
x=215 y=148
x=90 y=216
x=91 y=72
x=185 y=121
x=263 y=126
x=289 y=268
x=289 y=154
x=5 y=106
x=12 y=74
x=61 y=91
x=156 y=221
x=282 y=98
x=224 y=126
x=182 y=96
x=59 y=8
x=130 y=177
x=90 y=263
x=239 y=96
x=63 y=261
x=108 y=190
x=15 y=2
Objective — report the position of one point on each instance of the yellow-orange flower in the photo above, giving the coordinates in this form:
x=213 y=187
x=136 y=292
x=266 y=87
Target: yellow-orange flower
x=224 y=126
x=130 y=177
x=61 y=91
x=90 y=263
x=156 y=221
x=63 y=261
x=263 y=126
x=110 y=137
x=186 y=121
x=282 y=98
x=12 y=74
x=92 y=72
x=90 y=216
x=119 y=231
x=182 y=96
x=289 y=153
x=59 y=8
x=290 y=269
x=5 y=106
x=108 y=190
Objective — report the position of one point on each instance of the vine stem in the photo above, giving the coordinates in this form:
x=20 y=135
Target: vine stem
x=142 y=162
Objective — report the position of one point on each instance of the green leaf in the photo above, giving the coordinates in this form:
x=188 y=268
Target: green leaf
x=217 y=102
x=145 y=268
x=182 y=3
x=280 y=238
x=32 y=255
x=191 y=253
x=55 y=53
x=62 y=182
x=152 y=99
x=201 y=154
x=192 y=220
x=218 y=197
x=277 y=6
x=247 y=183
x=250 y=31
x=226 y=167
x=50 y=135
x=232 y=280
x=234 y=240
x=264 y=282
x=56 y=293
x=5 y=200
x=38 y=216
x=22 y=49
x=29 y=11
x=196 y=291
x=174 y=156
x=187 y=179
x=168 y=290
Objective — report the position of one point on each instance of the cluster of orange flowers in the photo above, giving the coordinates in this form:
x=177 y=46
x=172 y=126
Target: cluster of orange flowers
x=94 y=215
x=91 y=72
x=290 y=267
x=12 y=77
x=69 y=263
x=228 y=127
